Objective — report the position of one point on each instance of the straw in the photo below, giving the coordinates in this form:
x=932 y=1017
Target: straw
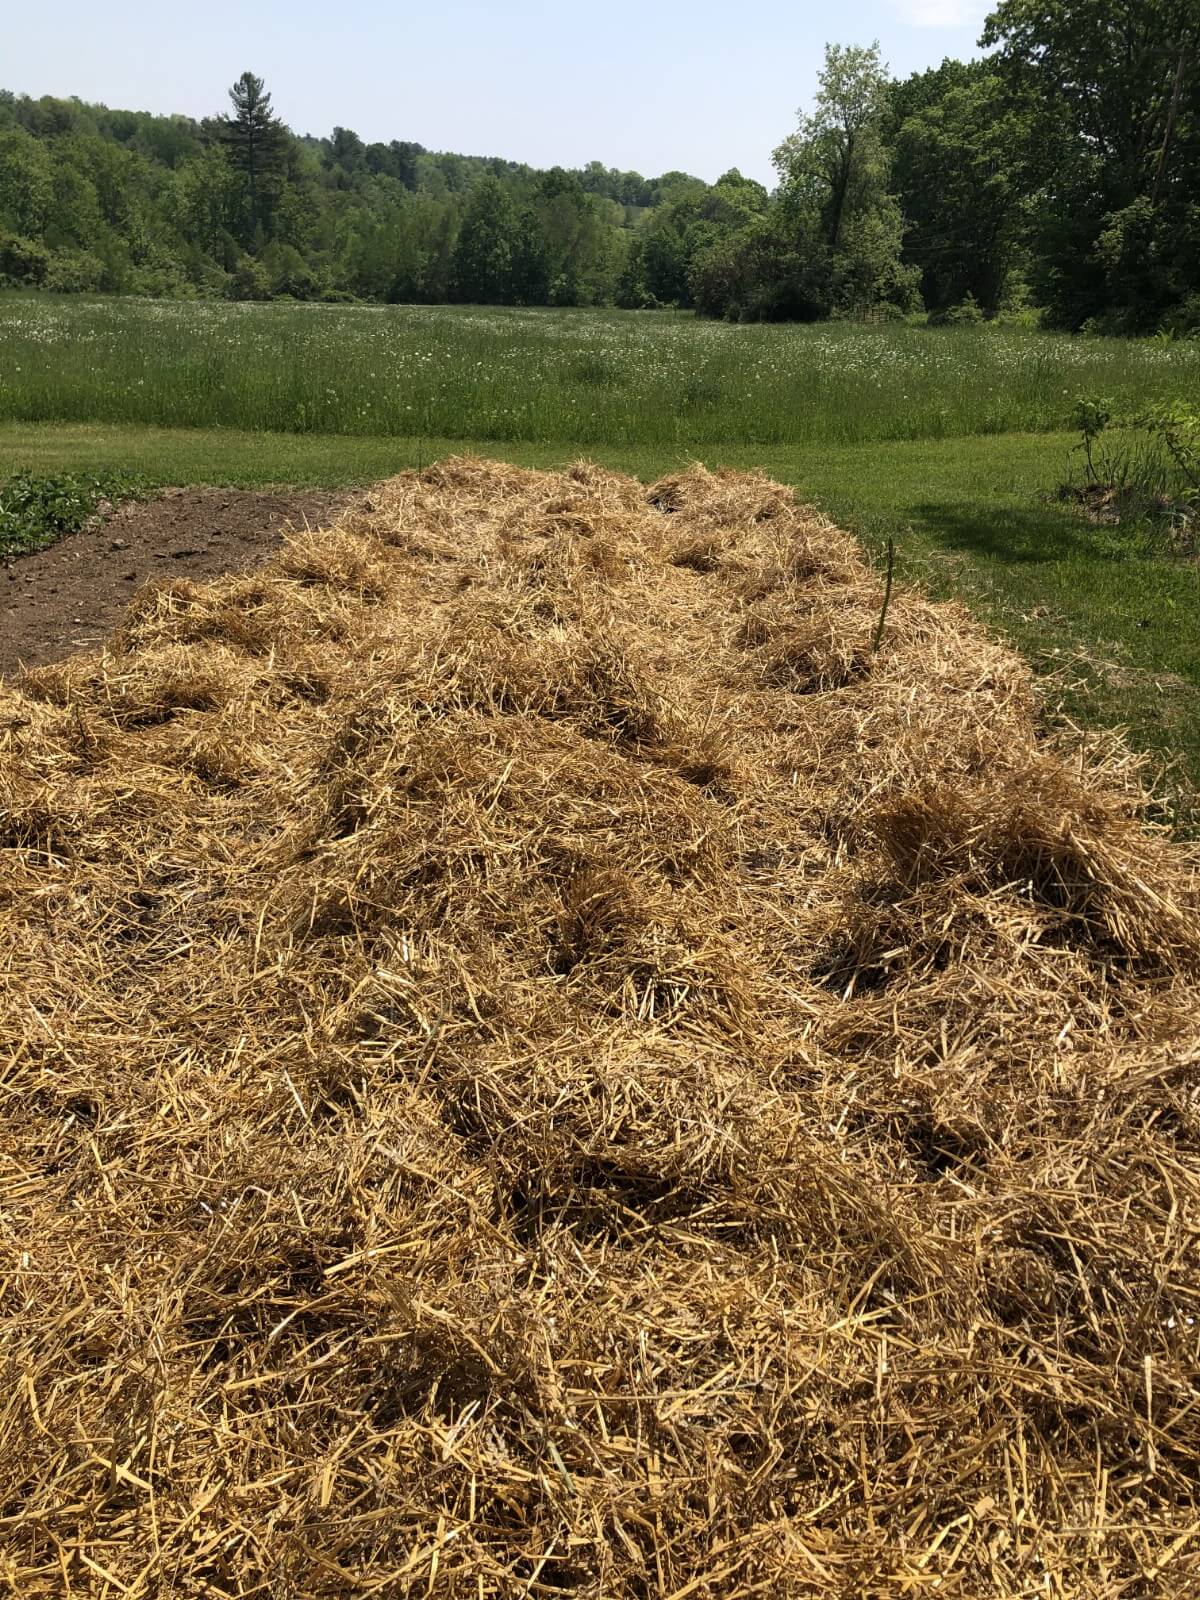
x=537 y=1062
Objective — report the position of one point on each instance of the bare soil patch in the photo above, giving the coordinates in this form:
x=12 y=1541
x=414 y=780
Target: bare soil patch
x=69 y=596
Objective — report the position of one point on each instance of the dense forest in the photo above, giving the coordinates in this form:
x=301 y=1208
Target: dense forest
x=1060 y=171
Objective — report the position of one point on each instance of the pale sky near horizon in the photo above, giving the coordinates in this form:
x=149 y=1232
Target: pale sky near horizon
x=701 y=87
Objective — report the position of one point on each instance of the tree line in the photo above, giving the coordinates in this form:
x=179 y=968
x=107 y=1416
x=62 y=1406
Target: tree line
x=1061 y=171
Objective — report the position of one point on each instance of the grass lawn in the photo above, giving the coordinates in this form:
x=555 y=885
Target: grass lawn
x=1119 y=632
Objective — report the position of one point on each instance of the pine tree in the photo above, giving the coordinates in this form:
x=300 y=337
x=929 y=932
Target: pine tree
x=257 y=142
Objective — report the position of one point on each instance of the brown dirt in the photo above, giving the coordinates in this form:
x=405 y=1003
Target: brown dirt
x=70 y=596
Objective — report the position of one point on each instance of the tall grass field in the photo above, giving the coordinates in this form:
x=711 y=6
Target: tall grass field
x=569 y=377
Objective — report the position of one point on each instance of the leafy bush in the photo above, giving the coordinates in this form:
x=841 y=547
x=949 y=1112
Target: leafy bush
x=22 y=261
x=887 y=311
x=249 y=280
x=1177 y=427
x=1091 y=416
x=36 y=510
x=75 y=272
x=1184 y=321
x=967 y=313
x=1143 y=469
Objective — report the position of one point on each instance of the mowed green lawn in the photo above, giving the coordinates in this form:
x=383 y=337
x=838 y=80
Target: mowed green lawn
x=949 y=441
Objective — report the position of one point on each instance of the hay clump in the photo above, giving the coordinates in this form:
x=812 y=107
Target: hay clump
x=536 y=1062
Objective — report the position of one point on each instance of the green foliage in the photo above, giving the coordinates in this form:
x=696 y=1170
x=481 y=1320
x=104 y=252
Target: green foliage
x=835 y=166
x=967 y=313
x=249 y=280
x=1091 y=416
x=36 y=510
x=1141 y=470
x=236 y=207
x=1177 y=426
x=960 y=136
x=632 y=292
x=288 y=275
x=483 y=256
x=1184 y=319
x=75 y=272
x=26 y=182
x=23 y=262
x=1114 y=171
x=830 y=245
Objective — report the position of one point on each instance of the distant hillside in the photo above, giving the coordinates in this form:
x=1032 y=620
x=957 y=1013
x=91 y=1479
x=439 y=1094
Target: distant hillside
x=237 y=206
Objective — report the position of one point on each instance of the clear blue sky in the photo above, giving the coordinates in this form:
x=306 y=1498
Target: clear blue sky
x=653 y=86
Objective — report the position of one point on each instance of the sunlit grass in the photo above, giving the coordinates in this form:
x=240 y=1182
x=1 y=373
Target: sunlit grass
x=571 y=377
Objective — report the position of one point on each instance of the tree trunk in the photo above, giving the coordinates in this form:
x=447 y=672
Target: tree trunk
x=1169 y=132
x=252 y=174
x=841 y=188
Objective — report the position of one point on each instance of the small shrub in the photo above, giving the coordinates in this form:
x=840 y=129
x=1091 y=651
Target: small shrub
x=1092 y=416
x=967 y=313
x=1185 y=319
x=249 y=280
x=1141 y=470
x=75 y=272
x=23 y=262
x=1177 y=427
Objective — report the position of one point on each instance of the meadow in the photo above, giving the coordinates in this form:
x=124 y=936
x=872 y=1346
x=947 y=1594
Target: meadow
x=573 y=377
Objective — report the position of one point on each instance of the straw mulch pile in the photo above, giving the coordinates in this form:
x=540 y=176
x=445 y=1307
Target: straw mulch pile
x=536 y=1062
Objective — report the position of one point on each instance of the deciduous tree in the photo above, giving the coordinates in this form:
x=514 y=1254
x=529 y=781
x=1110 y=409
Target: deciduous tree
x=1118 y=200
x=961 y=158
x=483 y=256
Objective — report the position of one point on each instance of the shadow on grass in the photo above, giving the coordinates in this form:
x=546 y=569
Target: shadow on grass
x=1035 y=534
